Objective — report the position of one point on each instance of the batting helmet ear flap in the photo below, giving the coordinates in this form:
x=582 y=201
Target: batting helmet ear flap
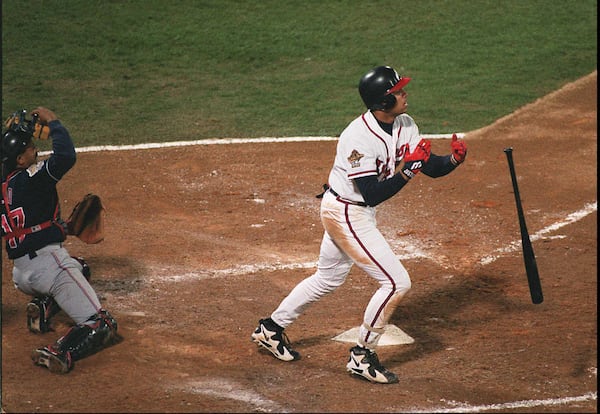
x=389 y=101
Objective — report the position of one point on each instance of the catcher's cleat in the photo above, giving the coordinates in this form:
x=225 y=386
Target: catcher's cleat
x=365 y=363
x=56 y=362
x=39 y=311
x=270 y=336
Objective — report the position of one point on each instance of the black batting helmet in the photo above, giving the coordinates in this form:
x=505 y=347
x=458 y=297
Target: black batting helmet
x=377 y=85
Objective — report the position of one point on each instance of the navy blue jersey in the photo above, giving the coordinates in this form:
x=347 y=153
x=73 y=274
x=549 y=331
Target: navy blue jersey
x=33 y=199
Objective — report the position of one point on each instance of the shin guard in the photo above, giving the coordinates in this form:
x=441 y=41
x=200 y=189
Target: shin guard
x=87 y=338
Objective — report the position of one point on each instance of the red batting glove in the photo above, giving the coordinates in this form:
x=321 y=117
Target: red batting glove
x=459 y=150
x=413 y=162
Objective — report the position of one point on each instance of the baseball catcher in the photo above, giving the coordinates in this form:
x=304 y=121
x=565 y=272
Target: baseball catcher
x=34 y=232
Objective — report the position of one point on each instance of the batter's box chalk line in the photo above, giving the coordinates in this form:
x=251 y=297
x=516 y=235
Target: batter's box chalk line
x=392 y=336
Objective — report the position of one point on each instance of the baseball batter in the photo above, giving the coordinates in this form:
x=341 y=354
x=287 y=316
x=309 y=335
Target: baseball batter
x=377 y=154
x=34 y=231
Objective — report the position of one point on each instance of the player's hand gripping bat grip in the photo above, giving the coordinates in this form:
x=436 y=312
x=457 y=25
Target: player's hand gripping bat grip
x=533 y=277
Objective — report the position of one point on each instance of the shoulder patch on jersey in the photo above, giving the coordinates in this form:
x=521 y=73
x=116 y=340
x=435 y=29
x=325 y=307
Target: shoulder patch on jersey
x=354 y=158
x=34 y=168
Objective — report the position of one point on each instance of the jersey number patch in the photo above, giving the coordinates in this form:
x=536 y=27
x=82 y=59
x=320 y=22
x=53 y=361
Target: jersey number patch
x=18 y=216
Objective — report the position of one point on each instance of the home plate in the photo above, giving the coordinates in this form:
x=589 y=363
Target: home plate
x=392 y=336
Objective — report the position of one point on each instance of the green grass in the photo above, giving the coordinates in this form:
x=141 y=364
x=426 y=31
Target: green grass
x=122 y=72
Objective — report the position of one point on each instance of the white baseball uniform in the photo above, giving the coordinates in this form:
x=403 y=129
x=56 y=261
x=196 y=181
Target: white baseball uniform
x=351 y=235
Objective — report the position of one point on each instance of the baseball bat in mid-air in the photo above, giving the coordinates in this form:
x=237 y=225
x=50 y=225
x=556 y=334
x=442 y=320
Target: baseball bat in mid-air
x=533 y=277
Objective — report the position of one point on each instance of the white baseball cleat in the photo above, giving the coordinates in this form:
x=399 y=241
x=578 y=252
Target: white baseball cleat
x=270 y=336
x=365 y=363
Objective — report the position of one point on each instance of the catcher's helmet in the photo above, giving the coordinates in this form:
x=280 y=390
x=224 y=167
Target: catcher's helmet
x=16 y=138
x=378 y=84
x=14 y=144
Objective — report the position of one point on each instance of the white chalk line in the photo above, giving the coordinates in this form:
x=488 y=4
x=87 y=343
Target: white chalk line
x=223 y=141
x=465 y=408
x=224 y=388
x=516 y=245
x=246 y=269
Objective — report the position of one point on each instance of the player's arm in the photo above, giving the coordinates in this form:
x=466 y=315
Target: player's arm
x=440 y=165
x=63 y=150
x=375 y=192
x=64 y=155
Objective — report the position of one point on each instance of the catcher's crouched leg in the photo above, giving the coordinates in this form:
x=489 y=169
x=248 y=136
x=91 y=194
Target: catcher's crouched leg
x=82 y=340
x=42 y=308
x=98 y=332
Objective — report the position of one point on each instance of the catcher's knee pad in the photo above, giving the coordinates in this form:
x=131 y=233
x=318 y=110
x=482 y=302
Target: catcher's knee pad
x=86 y=271
x=87 y=338
x=39 y=311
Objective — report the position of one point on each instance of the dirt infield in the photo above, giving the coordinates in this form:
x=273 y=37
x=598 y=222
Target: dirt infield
x=205 y=240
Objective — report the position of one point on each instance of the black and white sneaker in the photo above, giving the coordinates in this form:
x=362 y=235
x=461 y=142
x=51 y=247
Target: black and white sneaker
x=365 y=363
x=55 y=362
x=270 y=336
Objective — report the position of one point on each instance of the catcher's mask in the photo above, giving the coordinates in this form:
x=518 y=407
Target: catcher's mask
x=377 y=86
x=16 y=138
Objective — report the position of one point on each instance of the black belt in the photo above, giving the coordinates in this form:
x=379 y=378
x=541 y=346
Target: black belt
x=33 y=253
x=356 y=203
x=338 y=198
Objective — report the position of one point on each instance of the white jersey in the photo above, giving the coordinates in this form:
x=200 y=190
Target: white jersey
x=364 y=149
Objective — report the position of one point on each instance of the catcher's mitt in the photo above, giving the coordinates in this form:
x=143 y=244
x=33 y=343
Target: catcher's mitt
x=86 y=221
